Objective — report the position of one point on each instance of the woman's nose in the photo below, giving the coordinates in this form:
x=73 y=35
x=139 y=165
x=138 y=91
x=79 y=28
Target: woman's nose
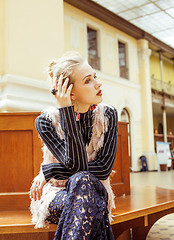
x=98 y=84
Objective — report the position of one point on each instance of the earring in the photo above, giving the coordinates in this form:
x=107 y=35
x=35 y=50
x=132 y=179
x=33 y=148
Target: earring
x=77 y=114
x=92 y=107
x=77 y=117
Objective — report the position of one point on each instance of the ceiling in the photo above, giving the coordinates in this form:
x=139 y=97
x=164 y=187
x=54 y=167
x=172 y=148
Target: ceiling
x=156 y=17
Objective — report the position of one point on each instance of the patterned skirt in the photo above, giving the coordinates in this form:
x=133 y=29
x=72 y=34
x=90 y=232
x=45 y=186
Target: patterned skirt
x=80 y=210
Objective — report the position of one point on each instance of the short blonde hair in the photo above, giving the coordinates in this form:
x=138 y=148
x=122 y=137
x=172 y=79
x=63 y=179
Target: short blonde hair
x=64 y=66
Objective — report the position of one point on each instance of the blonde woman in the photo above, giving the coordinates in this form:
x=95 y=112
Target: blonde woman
x=73 y=189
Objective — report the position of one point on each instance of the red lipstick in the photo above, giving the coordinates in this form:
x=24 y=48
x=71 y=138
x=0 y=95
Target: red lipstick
x=99 y=93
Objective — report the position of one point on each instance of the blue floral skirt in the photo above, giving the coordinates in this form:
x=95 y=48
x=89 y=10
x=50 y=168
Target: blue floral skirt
x=80 y=210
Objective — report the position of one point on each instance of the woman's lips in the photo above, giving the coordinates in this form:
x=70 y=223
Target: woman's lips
x=99 y=93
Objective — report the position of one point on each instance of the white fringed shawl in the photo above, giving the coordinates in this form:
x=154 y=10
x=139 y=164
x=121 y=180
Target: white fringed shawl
x=39 y=208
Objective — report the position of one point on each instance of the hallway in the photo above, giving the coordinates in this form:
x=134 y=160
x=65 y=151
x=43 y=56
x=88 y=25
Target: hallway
x=163 y=229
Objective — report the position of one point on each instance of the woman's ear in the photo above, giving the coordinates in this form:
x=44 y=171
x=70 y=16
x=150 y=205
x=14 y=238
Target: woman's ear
x=72 y=95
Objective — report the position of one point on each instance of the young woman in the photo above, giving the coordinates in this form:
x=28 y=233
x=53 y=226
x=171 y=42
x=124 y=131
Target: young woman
x=80 y=140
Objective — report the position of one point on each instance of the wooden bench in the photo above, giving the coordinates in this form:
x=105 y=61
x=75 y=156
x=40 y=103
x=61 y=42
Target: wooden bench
x=138 y=211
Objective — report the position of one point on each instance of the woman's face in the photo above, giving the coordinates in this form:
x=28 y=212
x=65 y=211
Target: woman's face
x=86 y=88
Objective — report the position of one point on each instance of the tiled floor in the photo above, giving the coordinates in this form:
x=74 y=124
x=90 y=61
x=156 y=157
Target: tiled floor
x=163 y=229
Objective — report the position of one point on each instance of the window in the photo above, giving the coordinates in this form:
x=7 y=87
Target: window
x=93 y=58
x=123 y=60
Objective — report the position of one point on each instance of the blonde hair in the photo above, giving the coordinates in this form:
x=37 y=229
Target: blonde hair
x=64 y=66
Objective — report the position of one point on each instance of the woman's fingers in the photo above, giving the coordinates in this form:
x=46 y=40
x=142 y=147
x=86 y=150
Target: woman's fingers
x=63 y=92
x=69 y=89
x=33 y=191
x=36 y=189
x=40 y=188
x=59 y=84
x=64 y=87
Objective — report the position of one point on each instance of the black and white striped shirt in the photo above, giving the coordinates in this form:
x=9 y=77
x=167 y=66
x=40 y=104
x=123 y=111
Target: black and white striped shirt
x=71 y=151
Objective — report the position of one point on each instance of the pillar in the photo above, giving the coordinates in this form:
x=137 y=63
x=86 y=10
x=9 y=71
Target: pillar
x=163 y=106
x=147 y=116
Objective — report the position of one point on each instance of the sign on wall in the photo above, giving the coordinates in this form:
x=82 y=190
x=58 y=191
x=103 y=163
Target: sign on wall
x=163 y=153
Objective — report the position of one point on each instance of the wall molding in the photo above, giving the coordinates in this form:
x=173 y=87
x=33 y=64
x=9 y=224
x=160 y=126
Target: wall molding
x=22 y=94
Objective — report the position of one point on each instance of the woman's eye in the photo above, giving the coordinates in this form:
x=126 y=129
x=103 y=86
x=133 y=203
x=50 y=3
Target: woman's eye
x=87 y=80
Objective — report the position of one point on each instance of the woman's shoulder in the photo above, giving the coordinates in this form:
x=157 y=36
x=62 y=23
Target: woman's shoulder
x=110 y=111
x=110 y=114
x=47 y=116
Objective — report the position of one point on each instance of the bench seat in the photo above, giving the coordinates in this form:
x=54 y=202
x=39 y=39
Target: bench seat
x=138 y=211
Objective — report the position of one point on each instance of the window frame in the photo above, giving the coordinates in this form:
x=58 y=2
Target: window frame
x=93 y=25
x=123 y=40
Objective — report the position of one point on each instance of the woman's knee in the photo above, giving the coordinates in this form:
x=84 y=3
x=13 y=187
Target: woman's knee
x=85 y=181
x=83 y=177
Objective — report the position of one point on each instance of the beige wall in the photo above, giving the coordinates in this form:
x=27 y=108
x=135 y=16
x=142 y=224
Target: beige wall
x=33 y=36
x=2 y=36
x=168 y=69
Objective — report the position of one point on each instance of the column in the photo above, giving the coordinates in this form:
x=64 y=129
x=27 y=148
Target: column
x=147 y=116
x=163 y=100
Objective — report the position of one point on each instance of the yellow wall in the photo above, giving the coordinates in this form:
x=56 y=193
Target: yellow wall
x=2 y=36
x=168 y=69
x=155 y=67
x=33 y=35
x=168 y=72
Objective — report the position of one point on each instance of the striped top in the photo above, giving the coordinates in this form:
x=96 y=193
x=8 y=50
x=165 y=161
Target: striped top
x=70 y=151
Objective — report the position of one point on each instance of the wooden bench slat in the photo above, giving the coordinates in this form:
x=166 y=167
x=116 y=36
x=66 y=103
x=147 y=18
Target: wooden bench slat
x=18 y=222
x=141 y=202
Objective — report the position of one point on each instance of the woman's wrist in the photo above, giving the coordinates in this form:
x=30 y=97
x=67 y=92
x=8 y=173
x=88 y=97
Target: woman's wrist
x=64 y=105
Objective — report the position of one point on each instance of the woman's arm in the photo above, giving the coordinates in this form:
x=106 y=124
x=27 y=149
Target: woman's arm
x=70 y=151
x=102 y=166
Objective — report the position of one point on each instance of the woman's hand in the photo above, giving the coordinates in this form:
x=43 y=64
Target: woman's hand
x=63 y=92
x=37 y=186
